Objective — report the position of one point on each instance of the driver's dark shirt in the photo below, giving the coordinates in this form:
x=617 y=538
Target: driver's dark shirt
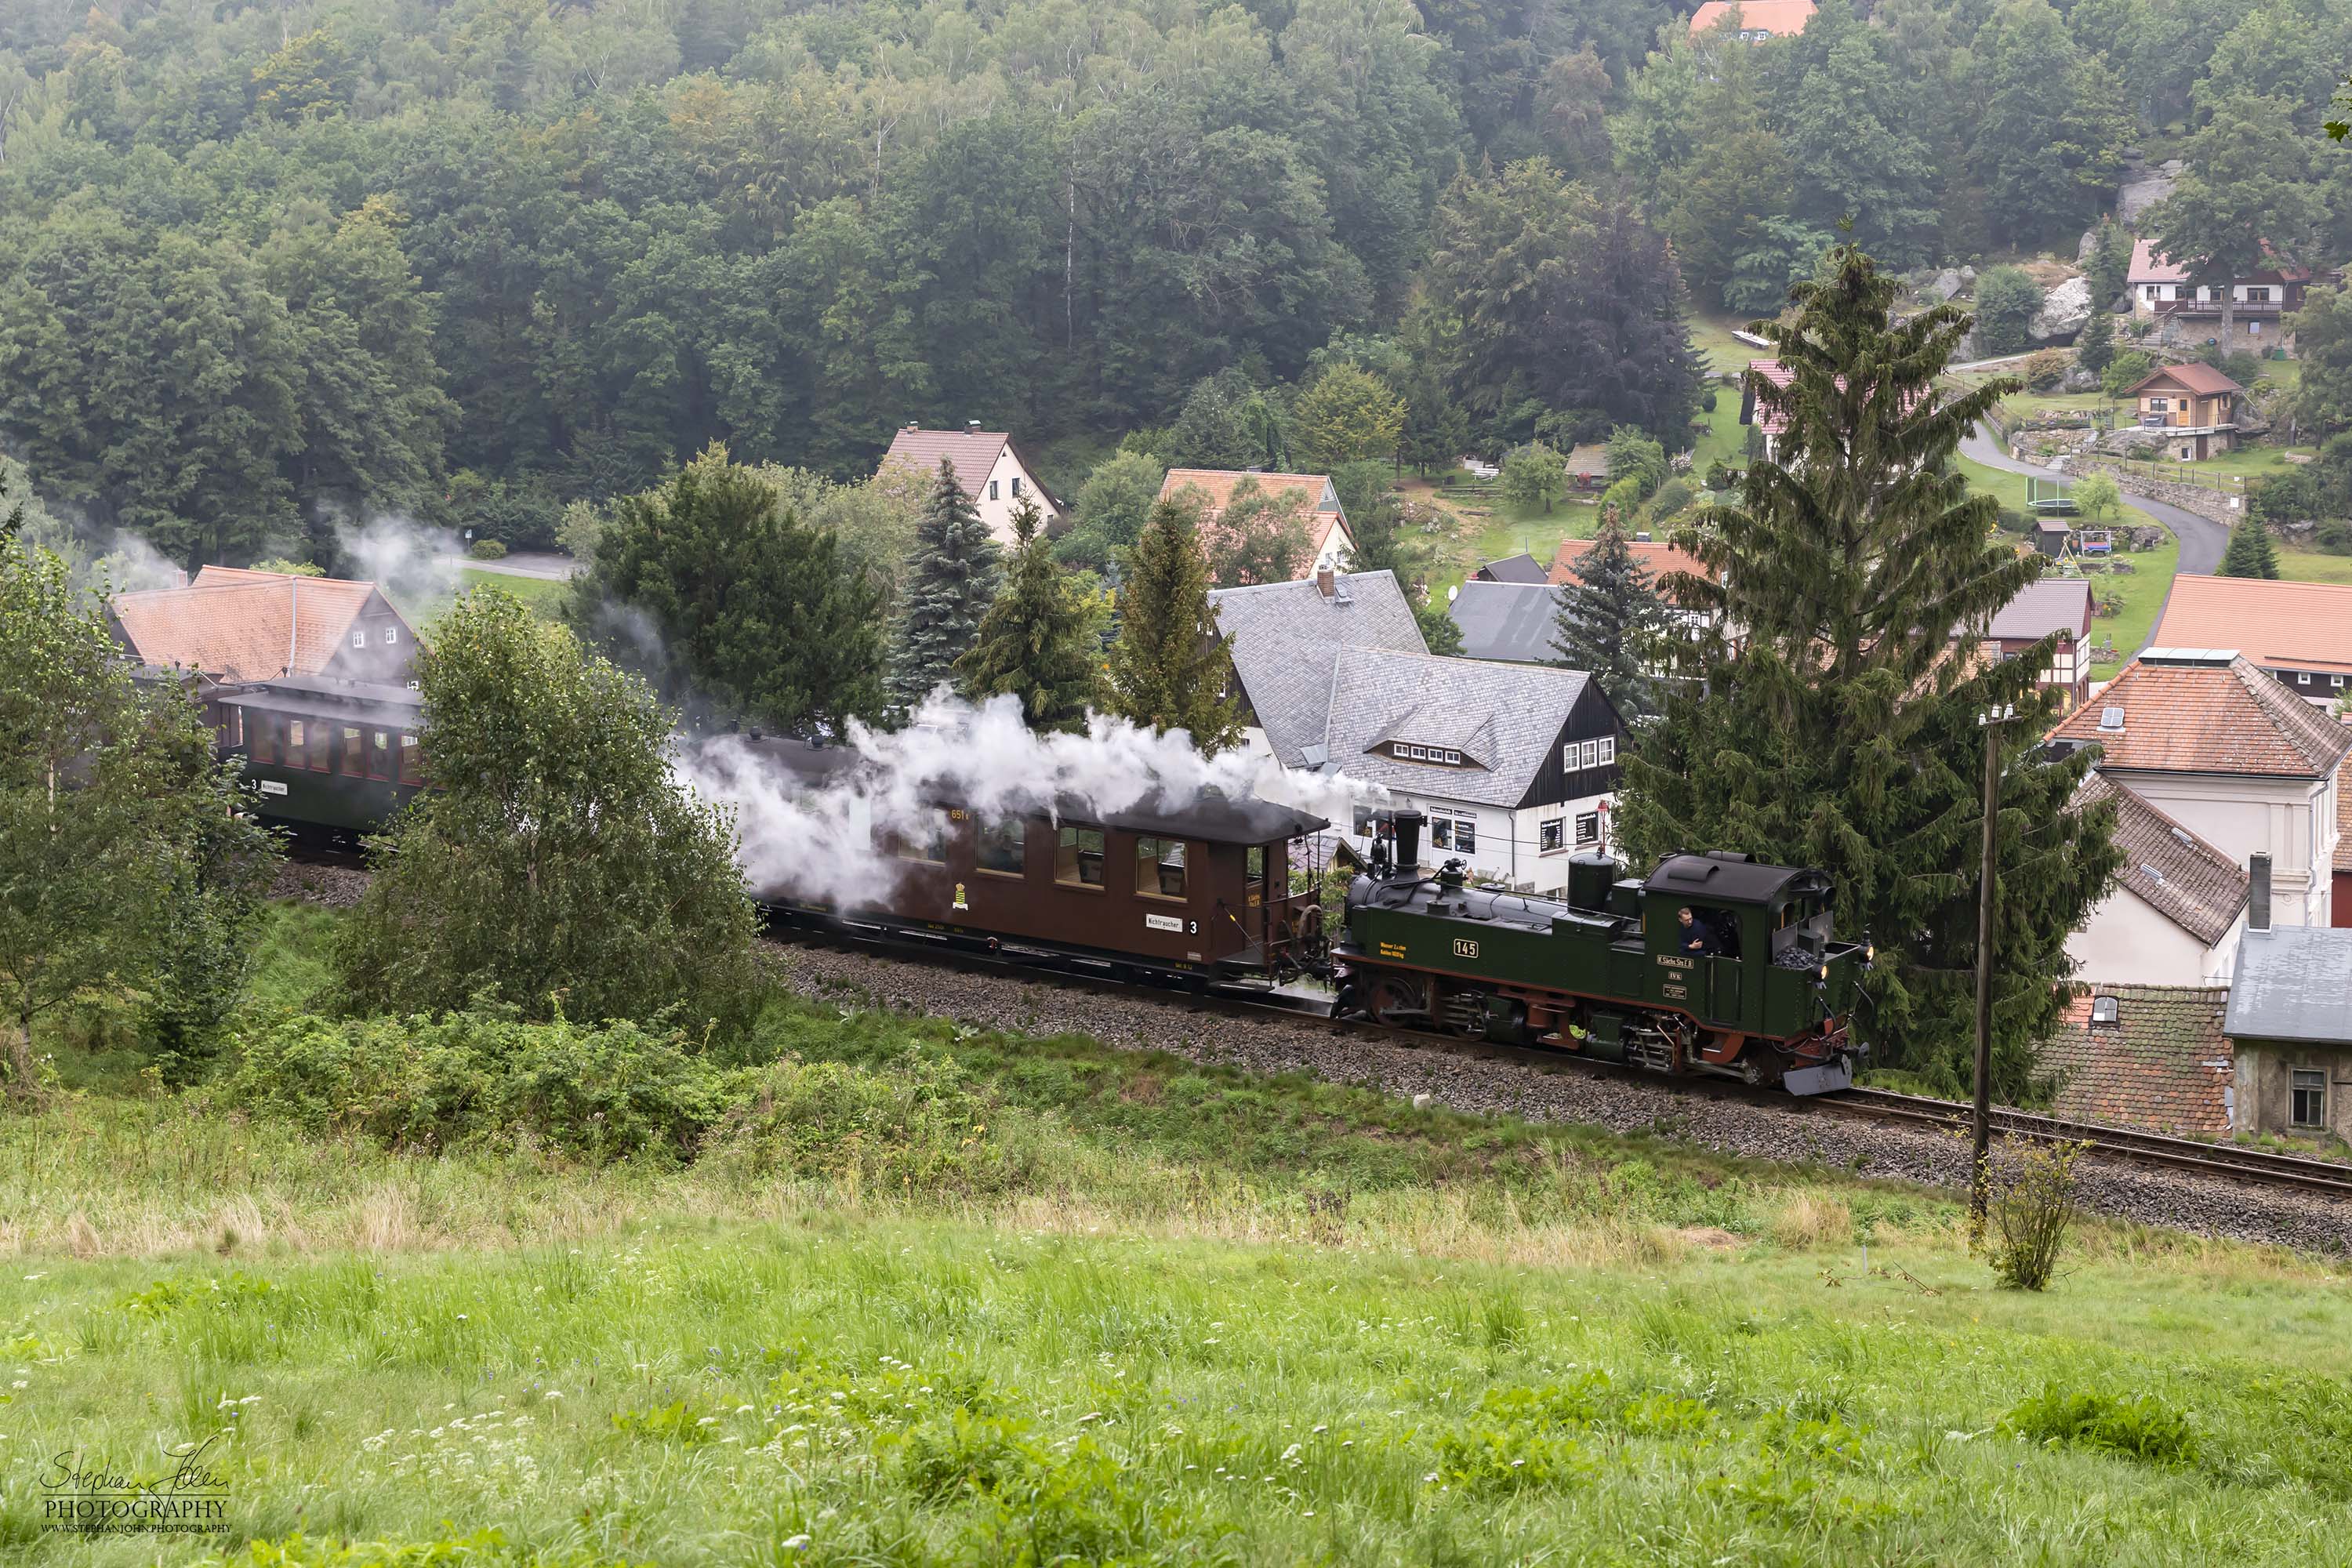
x=1697 y=940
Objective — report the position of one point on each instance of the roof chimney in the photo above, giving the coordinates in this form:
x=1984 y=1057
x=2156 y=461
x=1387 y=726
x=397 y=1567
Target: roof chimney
x=1326 y=582
x=2258 y=891
x=972 y=427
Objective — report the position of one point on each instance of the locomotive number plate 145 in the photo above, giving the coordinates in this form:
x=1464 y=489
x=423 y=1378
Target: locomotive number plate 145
x=1464 y=948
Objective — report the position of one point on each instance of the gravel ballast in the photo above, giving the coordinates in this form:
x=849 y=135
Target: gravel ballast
x=1028 y=1003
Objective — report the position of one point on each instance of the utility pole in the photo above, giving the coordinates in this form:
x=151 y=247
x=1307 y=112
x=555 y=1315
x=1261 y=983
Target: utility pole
x=1980 y=1124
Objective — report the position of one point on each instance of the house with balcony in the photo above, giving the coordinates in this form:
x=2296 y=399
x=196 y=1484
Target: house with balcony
x=2191 y=313
x=2195 y=405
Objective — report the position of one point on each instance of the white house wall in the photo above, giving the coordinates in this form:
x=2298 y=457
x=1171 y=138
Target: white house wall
x=2128 y=941
x=2292 y=820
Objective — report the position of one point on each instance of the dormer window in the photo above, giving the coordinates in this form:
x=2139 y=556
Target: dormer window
x=2105 y=1010
x=1438 y=754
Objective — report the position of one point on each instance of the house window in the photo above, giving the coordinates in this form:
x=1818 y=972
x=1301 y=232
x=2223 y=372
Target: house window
x=1160 y=867
x=1608 y=744
x=1459 y=834
x=2188 y=454
x=379 y=761
x=2336 y=681
x=391 y=635
x=1552 y=835
x=2302 y=678
x=1453 y=758
x=2308 y=1098
x=992 y=490
x=412 y=770
x=359 y=639
x=1588 y=828
x=2254 y=329
x=1364 y=821
x=2158 y=404
x=2104 y=1009
x=1016 y=485
x=1441 y=833
x=1078 y=857
x=1003 y=848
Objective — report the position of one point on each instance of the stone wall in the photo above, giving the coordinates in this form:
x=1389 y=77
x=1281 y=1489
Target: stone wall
x=2204 y=502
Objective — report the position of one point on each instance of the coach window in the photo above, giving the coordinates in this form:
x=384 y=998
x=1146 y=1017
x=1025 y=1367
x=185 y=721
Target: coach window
x=379 y=755
x=1160 y=867
x=355 y=752
x=1003 y=848
x=412 y=763
x=929 y=844
x=1078 y=857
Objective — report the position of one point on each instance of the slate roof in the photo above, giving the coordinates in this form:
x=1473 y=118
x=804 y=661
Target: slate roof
x=2305 y=626
x=2185 y=711
x=242 y=624
x=2196 y=376
x=972 y=452
x=2053 y=604
x=1520 y=568
x=1518 y=710
x=1781 y=18
x=1283 y=637
x=1509 y=621
x=2294 y=983
x=2163 y=1063
x=2173 y=871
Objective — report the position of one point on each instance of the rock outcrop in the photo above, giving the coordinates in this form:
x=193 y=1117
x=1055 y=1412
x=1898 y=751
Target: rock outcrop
x=2064 y=310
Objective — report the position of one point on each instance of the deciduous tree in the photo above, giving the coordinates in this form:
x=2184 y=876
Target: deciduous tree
x=1534 y=476
x=1258 y=536
x=1347 y=416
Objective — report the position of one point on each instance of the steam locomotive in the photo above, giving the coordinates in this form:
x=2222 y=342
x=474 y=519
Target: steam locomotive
x=1713 y=963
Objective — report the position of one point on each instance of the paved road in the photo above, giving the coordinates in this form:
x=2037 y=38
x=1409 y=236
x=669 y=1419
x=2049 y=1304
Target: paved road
x=547 y=566
x=2202 y=540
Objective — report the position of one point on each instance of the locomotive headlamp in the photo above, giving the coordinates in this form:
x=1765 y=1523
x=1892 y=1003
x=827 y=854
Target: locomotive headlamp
x=1825 y=971
x=1869 y=952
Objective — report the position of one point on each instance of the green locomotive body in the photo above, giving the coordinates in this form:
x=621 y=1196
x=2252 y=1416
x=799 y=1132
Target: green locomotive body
x=1611 y=972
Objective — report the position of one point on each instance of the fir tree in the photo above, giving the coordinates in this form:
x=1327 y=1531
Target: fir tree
x=1837 y=724
x=1037 y=639
x=1169 y=668
x=1609 y=623
x=956 y=573
x=2095 y=349
x=2251 y=551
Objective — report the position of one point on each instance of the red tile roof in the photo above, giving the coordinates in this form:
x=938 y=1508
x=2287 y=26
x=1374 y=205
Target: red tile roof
x=241 y=624
x=1781 y=18
x=972 y=453
x=1218 y=485
x=2195 y=376
x=2148 y=267
x=2343 y=815
x=1657 y=556
x=2173 y=871
x=1769 y=418
x=2163 y=1063
x=2305 y=625
x=2206 y=717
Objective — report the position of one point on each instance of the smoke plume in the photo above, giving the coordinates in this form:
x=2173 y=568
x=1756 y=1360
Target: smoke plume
x=412 y=563
x=818 y=840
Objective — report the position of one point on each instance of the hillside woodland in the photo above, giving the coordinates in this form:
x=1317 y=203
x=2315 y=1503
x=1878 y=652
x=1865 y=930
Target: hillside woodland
x=267 y=266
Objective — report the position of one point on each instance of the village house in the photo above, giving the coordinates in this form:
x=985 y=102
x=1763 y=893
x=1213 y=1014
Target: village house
x=1515 y=765
x=2300 y=632
x=2179 y=906
x=1520 y=568
x=1513 y=622
x=1333 y=543
x=2145 y=1056
x=1588 y=466
x=1758 y=21
x=2195 y=405
x=2054 y=605
x=990 y=467
x=2290 y=1025
x=235 y=625
x=2191 y=312
x=2230 y=757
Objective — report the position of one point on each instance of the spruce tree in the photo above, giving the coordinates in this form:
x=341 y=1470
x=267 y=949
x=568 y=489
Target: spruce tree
x=2251 y=551
x=956 y=570
x=1610 y=622
x=1037 y=639
x=1837 y=721
x=2095 y=349
x=1169 y=668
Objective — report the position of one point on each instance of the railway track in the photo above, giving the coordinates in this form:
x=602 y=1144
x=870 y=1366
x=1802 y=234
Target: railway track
x=2220 y=1161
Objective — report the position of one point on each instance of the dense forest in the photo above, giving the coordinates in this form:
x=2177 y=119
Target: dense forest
x=264 y=266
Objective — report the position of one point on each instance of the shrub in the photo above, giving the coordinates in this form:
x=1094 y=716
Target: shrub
x=599 y=1092
x=2124 y=371
x=2334 y=537
x=1672 y=496
x=2032 y=1207
x=917 y=1131
x=486 y=550
x=1707 y=400
x=2007 y=299
x=2142 y=1427
x=2046 y=368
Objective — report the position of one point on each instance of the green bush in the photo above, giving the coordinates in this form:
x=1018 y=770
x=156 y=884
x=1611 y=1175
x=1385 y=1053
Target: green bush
x=598 y=1093
x=488 y=549
x=916 y=1129
x=1707 y=400
x=2125 y=371
x=2334 y=537
x=1672 y=496
x=2046 y=368
x=2141 y=1427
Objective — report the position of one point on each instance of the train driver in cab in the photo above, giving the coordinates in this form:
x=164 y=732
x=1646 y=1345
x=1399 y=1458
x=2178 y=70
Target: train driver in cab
x=1694 y=938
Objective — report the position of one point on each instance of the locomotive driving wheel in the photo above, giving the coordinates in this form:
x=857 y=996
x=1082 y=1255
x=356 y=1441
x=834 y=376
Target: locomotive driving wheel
x=1398 y=1002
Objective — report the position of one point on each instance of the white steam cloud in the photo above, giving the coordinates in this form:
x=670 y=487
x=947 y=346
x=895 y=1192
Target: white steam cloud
x=415 y=563
x=817 y=839
x=129 y=564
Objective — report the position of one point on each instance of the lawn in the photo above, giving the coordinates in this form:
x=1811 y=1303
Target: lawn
x=2142 y=590
x=1069 y=1303
x=541 y=596
x=2315 y=566
x=1718 y=351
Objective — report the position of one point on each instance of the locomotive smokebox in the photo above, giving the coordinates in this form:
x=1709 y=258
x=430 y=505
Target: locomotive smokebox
x=1408 y=841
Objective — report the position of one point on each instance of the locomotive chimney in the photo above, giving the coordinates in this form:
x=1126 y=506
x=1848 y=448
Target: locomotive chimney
x=2258 y=892
x=1408 y=841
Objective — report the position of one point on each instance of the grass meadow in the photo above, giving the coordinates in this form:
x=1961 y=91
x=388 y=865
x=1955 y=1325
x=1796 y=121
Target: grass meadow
x=953 y=1296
